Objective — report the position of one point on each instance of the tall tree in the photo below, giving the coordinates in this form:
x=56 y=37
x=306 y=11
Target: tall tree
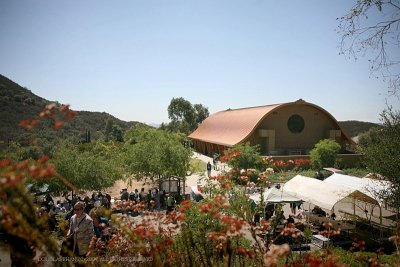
x=113 y=132
x=372 y=27
x=184 y=116
x=108 y=130
x=381 y=149
x=88 y=136
x=201 y=113
x=155 y=154
x=90 y=166
x=117 y=134
x=180 y=110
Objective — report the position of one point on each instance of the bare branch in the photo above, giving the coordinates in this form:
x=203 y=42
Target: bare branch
x=379 y=41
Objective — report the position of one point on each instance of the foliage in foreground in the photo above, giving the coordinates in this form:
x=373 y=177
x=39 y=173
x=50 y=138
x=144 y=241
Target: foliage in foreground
x=381 y=149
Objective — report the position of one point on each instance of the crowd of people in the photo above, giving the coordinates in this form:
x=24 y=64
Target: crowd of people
x=84 y=217
x=85 y=214
x=64 y=205
x=77 y=220
x=154 y=199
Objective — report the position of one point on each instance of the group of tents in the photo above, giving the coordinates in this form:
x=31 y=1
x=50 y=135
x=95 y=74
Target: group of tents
x=336 y=193
x=338 y=190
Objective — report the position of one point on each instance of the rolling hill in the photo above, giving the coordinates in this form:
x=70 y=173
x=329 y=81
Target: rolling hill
x=355 y=128
x=18 y=103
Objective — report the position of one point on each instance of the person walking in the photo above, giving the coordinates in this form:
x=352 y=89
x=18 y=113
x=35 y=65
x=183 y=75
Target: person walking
x=163 y=199
x=81 y=230
x=209 y=169
x=149 y=200
x=142 y=195
x=170 y=203
x=157 y=198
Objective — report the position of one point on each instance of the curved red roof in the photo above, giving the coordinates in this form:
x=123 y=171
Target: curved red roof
x=232 y=126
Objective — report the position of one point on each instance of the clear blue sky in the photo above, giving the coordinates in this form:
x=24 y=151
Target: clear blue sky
x=131 y=57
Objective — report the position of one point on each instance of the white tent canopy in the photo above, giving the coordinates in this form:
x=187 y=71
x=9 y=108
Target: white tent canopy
x=275 y=195
x=335 y=188
x=366 y=186
x=317 y=192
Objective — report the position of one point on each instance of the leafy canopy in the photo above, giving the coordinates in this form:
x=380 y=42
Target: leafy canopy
x=92 y=166
x=381 y=149
x=155 y=154
x=324 y=154
x=184 y=116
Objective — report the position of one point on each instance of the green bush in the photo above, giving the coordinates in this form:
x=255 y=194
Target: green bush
x=356 y=259
x=324 y=154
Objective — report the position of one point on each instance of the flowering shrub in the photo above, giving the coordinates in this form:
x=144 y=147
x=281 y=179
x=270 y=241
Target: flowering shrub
x=230 y=155
x=302 y=164
x=283 y=165
x=21 y=225
x=288 y=165
x=245 y=156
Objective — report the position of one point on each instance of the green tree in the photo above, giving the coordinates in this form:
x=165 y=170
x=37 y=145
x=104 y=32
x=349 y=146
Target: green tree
x=117 y=133
x=113 y=132
x=371 y=27
x=163 y=126
x=180 y=110
x=108 y=130
x=184 y=116
x=324 y=154
x=179 y=127
x=381 y=149
x=91 y=166
x=201 y=114
x=155 y=154
x=17 y=152
x=85 y=137
x=88 y=138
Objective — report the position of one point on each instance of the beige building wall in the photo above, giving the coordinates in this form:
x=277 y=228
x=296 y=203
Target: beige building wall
x=274 y=136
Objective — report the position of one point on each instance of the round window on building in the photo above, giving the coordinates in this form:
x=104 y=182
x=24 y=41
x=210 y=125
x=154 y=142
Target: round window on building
x=295 y=124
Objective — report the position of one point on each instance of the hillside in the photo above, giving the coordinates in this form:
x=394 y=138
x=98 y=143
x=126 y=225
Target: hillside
x=355 y=128
x=18 y=103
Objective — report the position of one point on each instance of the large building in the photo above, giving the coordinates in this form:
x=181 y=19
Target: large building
x=281 y=129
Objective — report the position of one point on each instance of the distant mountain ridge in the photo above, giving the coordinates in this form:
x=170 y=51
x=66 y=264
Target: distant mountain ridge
x=355 y=128
x=18 y=103
x=154 y=125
